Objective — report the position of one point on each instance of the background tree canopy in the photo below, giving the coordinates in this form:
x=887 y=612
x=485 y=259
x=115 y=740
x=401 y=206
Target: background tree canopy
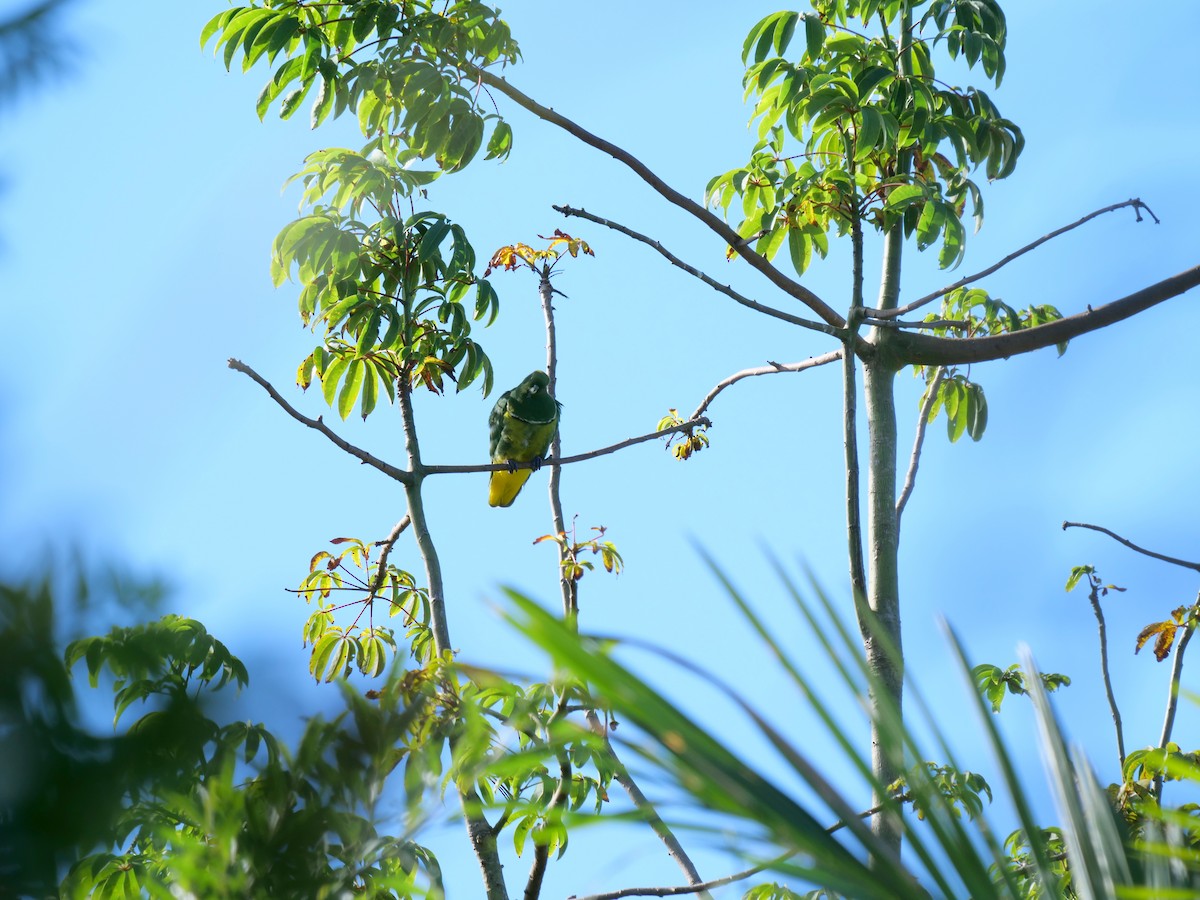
x=142 y=213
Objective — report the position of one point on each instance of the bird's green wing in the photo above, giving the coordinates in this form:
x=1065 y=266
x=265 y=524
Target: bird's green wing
x=496 y=424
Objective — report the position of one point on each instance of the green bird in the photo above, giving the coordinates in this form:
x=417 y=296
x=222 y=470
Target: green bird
x=522 y=425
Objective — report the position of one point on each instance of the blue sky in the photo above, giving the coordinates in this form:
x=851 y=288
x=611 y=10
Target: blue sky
x=141 y=198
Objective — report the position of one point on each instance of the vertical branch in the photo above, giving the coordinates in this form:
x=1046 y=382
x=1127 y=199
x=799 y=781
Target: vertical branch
x=884 y=652
x=570 y=594
x=479 y=831
x=854 y=538
x=1173 y=694
x=643 y=805
x=1094 y=597
x=420 y=525
x=568 y=586
x=483 y=841
x=910 y=477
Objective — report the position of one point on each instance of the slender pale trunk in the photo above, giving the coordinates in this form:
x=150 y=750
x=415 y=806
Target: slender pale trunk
x=881 y=629
x=479 y=831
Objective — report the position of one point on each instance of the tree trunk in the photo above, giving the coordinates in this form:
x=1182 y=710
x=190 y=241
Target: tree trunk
x=881 y=629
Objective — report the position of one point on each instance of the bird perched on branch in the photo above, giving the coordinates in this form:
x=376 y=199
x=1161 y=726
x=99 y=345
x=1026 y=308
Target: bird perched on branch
x=522 y=425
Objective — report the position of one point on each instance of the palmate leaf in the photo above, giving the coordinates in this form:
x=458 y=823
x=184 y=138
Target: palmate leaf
x=948 y=855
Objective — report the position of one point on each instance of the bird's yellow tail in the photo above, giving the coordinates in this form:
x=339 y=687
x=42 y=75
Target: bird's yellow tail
x=505 y=486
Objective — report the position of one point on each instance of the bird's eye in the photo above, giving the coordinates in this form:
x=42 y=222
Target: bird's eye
x=533 y=389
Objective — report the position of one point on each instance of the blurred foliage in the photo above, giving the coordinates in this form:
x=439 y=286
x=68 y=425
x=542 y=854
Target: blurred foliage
x=1115 y=843
x=33 y=49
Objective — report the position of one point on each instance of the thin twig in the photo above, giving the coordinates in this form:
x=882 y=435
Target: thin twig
x=920 y=349
x=541 y=851
x=568 y=460
x=646 y=808
x=771 y=368
x=1132 y=546
x=439 y=622
x=714 y=222
x=401 y=475
x=1137 y=205
x=878 y=322
x=1094 y=597
x=697 y=273
x=1173 y=696
x=716 y=882
x=387 y=543
x=910 y=477
x=567 y=586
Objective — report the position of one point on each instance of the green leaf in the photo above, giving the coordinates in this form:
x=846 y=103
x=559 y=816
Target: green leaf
x=904 y=195
x=500 y=143
x=331 y=376
x=353 y=384
x=976 y=412
x=814 y=35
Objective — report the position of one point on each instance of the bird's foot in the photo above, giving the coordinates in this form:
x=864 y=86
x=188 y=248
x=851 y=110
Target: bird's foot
x=512 y=466
x=536 y=463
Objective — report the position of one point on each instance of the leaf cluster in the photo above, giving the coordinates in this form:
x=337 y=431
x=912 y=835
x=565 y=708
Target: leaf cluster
x=972 y=312
x=682 y=444
x=995 y=683
x=390 y=298
x=516 y=256
x=339 y=649
x=573 y=566
x=179 y=802
x=1182 y=618
x=395 y=64
x=859 y=127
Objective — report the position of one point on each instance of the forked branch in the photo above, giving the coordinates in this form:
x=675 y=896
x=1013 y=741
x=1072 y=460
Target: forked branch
x=714 y=222
x=771 y=368
x=927 y=350
x=696 y=273
x=910 y=477
x=1194 y=566
x=1137 y=205
x=401 y=475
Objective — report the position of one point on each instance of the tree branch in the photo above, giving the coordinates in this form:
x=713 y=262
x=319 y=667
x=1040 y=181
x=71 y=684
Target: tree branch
x=697 y=273
x=643 y=805
x=714 y=222
x=404 y=477
x=1173 y=697
x=568 y=460
x=567 y=586
x=1195 y=567
x=927 y=350
x=1137 y=205
x=388 y=543
x=771 y=368
x=910 y=477
x=1094 y=599
x=716 y=882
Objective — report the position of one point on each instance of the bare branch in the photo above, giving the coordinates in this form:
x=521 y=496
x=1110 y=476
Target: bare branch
x=567 y=460
x=771 y=368
x=1094 y=599
x=691 y=270
x=388 y=543
x=716 y=882
x=643 y=805
x=715 y=223
x=910 y=477
x=568 y=587
x=877 y=322
x=1173 y=697
x=1137 y=205
x=401 y=475
x=927 y=350
x=1132 y=546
